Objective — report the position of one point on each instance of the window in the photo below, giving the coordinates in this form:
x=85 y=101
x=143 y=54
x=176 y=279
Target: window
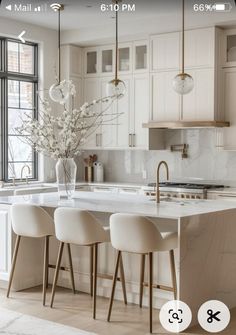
x=18 y=87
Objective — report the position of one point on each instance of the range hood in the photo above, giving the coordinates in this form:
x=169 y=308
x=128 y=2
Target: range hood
x=185 y=124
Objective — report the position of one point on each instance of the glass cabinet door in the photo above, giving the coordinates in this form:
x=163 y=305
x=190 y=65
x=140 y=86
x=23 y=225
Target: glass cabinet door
x=124 y=59
x=91 y=62
x=231 y=48
x=140 y=57
x=107 y=61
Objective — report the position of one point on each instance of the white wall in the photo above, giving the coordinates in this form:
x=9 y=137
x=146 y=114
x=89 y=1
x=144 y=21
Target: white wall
x=47 y=40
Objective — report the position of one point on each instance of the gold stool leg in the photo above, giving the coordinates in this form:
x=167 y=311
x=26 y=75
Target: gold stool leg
x=59 y=257
x=91 y=270
x=71 y=268
x=150 y=258
x=95 y=267
x=173 y=272
x=45 y=268
x=122 y=277
x=142 y=269
x=16 y=249
x=113 y=285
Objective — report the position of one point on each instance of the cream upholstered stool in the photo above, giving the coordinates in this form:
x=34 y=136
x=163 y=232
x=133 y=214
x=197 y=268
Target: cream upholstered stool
x=79 y=227
x=146 y=239
x=33 y=221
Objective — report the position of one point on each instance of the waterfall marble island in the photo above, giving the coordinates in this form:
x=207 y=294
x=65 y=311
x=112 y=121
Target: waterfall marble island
x=204 y=259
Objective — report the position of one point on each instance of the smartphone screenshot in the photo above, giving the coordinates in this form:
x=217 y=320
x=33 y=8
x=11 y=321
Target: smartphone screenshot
x=117 y=167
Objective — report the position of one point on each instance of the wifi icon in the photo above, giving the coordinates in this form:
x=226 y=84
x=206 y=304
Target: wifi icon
x=56 y=6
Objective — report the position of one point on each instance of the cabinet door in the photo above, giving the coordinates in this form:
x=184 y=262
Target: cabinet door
x=229 y=134
x=200 y=47
x=91 y=62
x=140 y=110
x=165 y=51
x=5 y=244
x=109 y=127
x=124 y=58
x=140 y=56
x=199 y=103
x=92 y=92
x=107 y=60
x=123 y=121
x=166 y=102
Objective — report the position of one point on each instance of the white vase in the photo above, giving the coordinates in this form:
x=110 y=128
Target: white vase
x=66 y=177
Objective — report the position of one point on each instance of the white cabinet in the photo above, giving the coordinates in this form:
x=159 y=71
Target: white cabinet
x=199 y=103
x=166 y=103
x=92 y=91
x=71 y=61
x=140 y=111
x=200 y=48
x=5 y=242
x=165 y=51
x=229 y=134
x=140 y=56
x=91 y=62
x=124 y=109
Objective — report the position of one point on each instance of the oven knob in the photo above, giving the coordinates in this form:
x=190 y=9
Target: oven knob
x=175 y=196
x=198 y=197
x=182 y=195
x=168 y=195
x=187 y=196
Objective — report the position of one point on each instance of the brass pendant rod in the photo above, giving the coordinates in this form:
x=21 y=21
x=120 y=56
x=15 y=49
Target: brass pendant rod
x=183 y=41
x=116 y=68
x=59 y=45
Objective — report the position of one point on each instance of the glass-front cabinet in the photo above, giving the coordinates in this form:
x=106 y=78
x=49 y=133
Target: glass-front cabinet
x=91 y=61
x=140 y=61
x=107 y=58
x=229 y=50
x=124 y=58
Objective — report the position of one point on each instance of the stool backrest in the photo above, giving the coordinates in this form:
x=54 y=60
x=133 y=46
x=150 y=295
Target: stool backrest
x=78 y=227
x=31 y=221
x=134 y=233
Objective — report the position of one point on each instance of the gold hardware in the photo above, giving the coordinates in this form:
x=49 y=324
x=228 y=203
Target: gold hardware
x=185 y=124
x=130 y=140
x=183 y=148
x=158 y=179
x=133 y=140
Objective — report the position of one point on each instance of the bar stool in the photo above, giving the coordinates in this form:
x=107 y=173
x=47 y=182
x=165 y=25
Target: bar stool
x=81 y=228
x=146 y=239
x=33 y=221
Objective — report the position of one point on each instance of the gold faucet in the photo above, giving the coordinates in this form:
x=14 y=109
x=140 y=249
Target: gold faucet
x=158 y=179
x=21 y=173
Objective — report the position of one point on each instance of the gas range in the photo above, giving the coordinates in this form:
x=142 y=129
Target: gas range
x=180 y=190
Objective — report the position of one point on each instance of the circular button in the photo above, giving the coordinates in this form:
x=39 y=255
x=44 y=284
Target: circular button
x=213 y=316
x=175 y=316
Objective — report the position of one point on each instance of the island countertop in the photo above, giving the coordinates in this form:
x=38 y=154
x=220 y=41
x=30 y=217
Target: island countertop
x=135 y=204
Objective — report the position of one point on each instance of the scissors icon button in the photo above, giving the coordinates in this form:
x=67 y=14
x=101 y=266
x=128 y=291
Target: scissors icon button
x=213 y=316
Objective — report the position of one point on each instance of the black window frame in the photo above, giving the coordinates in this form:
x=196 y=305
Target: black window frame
x=6 y=75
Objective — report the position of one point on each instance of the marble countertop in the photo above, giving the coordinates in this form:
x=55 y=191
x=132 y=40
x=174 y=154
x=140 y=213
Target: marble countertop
x=113 y=203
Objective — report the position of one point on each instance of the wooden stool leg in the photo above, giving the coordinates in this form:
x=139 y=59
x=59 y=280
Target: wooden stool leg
x=47 y=260
x=95 y=263
x=113 y=285
x=173 y=272
x=57 y=272
x=45 y=268
x=142 y=269
x=91 y=271
x=122 y=277
x=150 y=258
x=71 y=268
x=16 y=249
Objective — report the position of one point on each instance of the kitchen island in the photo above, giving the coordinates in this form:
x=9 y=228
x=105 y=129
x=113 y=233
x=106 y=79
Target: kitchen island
x=205 y=258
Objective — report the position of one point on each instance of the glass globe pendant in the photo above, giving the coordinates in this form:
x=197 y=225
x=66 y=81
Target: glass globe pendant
x=116 y=87
x=183 y=83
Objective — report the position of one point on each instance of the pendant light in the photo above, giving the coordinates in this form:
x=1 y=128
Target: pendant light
x=59 y=92
x=183 y=82
x=116 y=87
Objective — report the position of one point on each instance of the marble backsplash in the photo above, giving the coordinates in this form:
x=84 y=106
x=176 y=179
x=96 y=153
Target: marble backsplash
x=205 y=160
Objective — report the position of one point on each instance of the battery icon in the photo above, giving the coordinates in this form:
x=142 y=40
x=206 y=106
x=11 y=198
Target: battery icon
x=223 y=7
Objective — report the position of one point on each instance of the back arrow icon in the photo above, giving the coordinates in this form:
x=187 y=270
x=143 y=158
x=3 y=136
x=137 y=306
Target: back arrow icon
x=21 y=36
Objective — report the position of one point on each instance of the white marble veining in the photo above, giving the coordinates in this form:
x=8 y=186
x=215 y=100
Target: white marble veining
x=113 y=203
x=13 y=323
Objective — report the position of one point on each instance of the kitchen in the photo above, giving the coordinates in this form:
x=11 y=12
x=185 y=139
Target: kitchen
x=152 y=136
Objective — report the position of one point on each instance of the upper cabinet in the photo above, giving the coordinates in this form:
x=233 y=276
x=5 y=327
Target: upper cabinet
x=165 y=52
x=228 y=48
x=91 y=59
x=108 y=60
x=200 y=48
x=140 y=56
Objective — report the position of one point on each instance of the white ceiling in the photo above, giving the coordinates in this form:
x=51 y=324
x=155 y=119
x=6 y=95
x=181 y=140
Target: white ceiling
x=80 y=17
